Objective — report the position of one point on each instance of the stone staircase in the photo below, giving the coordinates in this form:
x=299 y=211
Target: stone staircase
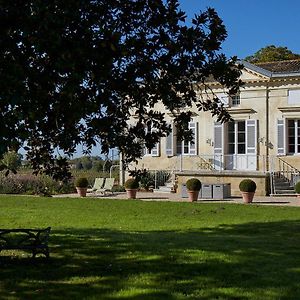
x=168 y=187
x=282 y=187
x=283 y=180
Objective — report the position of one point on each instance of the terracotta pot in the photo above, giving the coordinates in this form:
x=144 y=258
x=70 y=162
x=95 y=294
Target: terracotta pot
x=81 y=191
x=193 y=195
x=131 y=194
x=248 y=196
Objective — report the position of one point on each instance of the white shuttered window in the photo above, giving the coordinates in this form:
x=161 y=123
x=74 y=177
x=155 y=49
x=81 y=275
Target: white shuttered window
x=189 y=148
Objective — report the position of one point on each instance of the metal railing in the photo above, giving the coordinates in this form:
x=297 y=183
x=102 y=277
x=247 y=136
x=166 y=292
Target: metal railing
x=282 y=171
x=288 y=171
x=160 y=177
x=222 y=162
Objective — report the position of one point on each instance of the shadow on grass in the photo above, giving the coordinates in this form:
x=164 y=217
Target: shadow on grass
x=249 y=261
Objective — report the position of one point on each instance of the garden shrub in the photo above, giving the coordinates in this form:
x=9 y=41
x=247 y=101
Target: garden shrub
x=297 y=187
x=118 y=189
x=193 y=184
x=131 y=184
x=247 y=185
x=32 y=185
x=81 y=182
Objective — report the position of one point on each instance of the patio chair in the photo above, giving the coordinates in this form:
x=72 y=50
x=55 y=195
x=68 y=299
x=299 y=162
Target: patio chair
x=98 y=184
x=108 y=185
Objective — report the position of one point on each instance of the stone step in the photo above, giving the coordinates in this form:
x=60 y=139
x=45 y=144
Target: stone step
x=281 y=181
x=169 y=184
x=284 y=186
x=164 y=189
x=291 y=192
x=283 y=195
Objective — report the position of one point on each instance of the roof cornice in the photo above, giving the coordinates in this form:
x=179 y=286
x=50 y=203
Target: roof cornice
x=255 y=68
x=267 y=73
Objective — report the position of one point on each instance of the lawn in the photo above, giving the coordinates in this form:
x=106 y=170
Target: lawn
x=120 y=249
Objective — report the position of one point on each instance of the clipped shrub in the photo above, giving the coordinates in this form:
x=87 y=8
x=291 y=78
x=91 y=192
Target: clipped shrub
x=81 y=182
x=297 y=187
x=193 y=184
x=247 y=185
x=131 y=184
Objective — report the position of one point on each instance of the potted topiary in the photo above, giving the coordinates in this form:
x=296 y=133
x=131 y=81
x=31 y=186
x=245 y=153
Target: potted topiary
x=247 y=188
x=297 y=189
x=81 y=185
x=131 y=186
x=193 y=186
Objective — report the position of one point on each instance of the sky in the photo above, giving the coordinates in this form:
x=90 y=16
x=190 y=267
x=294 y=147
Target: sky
x=253 y=24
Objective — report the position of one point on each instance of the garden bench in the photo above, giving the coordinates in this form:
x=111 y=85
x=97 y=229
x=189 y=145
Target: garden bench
x=34 y=240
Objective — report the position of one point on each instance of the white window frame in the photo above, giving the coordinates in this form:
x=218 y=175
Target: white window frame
x=235 y=100
x=296 y=137
x=236 y=133
x=155 y=151
x=191 y=146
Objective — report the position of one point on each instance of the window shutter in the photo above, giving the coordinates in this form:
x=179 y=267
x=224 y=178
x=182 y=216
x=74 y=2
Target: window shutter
x=224 y=99
x=218 y=138
x=294 y=97
x=155 y=151
x=251 y=144
x=145 y=150
x=170 y=142
x=193 y=145
x=251 y=134
x=280 y=137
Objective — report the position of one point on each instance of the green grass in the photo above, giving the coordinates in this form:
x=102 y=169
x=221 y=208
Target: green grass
x=110 y=249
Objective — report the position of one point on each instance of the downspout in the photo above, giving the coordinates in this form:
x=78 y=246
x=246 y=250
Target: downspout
x=121 y=168
x=267 y=127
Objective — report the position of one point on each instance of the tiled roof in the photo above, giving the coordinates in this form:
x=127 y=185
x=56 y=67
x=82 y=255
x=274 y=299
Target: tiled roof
x=286 y=66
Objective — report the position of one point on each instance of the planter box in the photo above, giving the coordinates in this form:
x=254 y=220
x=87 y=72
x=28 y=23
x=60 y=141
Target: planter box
x=206 y=191
x=184 y=193
x=221 y=191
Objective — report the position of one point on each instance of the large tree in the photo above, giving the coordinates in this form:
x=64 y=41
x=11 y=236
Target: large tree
x=272 y=53
x=74 y=71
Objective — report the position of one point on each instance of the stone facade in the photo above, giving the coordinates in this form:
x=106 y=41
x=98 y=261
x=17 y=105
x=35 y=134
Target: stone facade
x=265 y=131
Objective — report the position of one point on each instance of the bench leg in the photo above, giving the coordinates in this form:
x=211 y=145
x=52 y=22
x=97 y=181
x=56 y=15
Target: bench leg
x=41 y=251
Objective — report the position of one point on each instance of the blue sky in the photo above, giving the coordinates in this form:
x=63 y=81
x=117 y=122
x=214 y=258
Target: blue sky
x=253 y=24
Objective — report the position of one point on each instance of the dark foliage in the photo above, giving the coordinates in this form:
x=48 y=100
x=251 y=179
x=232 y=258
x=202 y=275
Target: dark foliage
x=297 y=187
x=272 y=53
x=247 y=185
x=132 y=184
x=193 y=184
x=81 y=182
x=76 y=71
